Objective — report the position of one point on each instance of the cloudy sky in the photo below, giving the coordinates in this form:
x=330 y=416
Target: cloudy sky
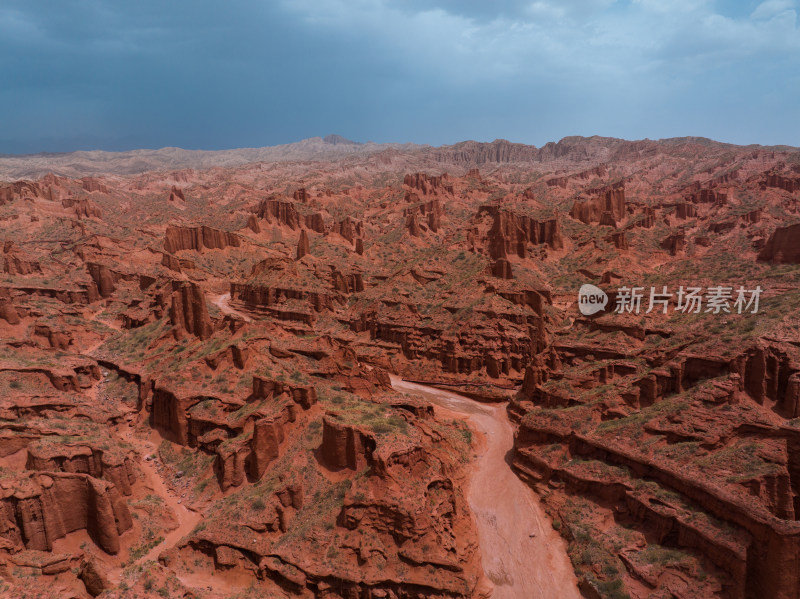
x=97 y=74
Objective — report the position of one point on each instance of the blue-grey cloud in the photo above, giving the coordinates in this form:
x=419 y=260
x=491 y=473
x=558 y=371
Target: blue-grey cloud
x=202 y=74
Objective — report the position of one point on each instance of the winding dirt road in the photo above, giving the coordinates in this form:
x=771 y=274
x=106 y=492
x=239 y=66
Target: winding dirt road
x=187 y=519
x=221 y=302
x=522 y=555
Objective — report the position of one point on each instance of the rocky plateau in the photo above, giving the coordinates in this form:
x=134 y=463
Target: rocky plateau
x=346 y=371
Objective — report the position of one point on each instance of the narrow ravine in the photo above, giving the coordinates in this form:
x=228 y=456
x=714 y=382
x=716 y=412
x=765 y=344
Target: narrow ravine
x=523 y=556
x=187 y=519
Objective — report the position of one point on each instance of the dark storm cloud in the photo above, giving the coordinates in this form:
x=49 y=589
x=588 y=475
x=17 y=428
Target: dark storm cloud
x=200 y=74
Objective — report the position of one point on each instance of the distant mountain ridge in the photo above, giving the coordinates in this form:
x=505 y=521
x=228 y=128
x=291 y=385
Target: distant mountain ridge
x=99 y=162
x=573 y=149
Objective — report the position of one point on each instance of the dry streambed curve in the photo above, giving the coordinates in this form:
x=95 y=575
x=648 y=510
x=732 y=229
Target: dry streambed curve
x=523 y=556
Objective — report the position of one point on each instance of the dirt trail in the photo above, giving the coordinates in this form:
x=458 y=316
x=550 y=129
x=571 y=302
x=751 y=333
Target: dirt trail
x=522 y=555
x=221 y=302
x=187 y=519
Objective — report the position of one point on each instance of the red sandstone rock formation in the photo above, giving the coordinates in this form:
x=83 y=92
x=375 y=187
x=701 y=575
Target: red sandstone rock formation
x=197 y=238
x=280 y=288
x=14 y=265
x=347 y=283
x=82 y=207
x=232 y=356
x=188 y=312
x=610 y=199
x=783 y=246
x=674 y=243
x=316 y=222
x=511 y=233
x=619 y=240
x=597 y=172
x=776 y=180
x=176 y=194
x=303 y=395
x=41 y=508
x=171 y=262
x=427 y=184
x=345 y=446
x=21 y=190
x=285 y=212
x=502 y=269
x=647 y=220
x=685 y=210
x=752 y=217
x=265 y=447
x=430 y=211
x=93 y=576
x=608 y=220
x=252 y=224
x=303 y=246
x=91 y=184
x=662 y=423
x=7 y=310
x=102 y=277
x=349 y=228
x=412 y=225
x=57 y=339
x=557 y=182
x=244 y=456
x=113 y=466
x=708 y=196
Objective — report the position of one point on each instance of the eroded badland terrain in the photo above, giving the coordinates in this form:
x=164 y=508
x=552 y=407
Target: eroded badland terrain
x=368 y=377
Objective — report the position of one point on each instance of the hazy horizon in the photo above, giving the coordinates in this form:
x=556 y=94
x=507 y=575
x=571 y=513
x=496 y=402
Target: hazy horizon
x=398 y=143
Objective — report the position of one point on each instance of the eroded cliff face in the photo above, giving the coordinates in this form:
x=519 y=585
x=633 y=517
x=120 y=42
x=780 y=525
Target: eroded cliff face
x=285 y=212
x=779 y=180
x=198 y=238
x=377 y=540
x=512 y=234
x=39 y=509
x=82 y=207
x=649 y=460
x=188 y=312
x=303 y=246
x=345 y=446
x=349 y=228
x=783 y=246
x=427 y=184
x=607 y=203
x=112 y=465
x=102 y=277
x=180 y=399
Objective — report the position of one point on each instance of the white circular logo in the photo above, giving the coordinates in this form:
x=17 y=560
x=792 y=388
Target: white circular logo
x=591 y=299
